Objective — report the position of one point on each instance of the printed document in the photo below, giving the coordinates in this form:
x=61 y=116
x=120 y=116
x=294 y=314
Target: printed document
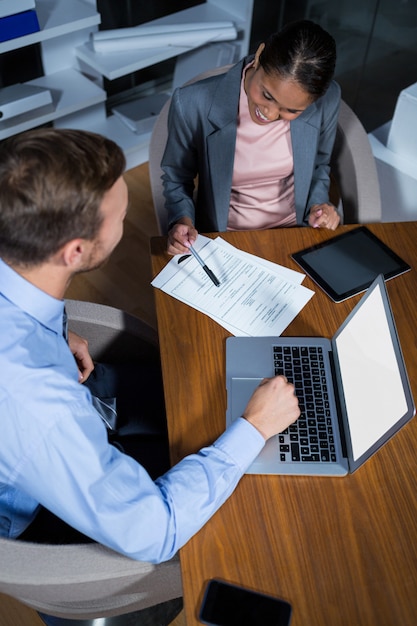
x=255 y=297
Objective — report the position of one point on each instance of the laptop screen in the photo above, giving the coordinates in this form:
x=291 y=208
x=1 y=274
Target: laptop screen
x=377 y=398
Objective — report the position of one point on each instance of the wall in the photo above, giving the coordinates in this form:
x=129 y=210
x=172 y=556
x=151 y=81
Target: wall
x=376 y=42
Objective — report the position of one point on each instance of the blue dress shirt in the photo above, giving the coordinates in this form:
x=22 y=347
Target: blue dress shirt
x=54 y=449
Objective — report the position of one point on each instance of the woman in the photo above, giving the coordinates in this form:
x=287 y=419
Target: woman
x=259 y=138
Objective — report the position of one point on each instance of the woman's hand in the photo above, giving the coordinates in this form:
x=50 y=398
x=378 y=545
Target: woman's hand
x=79 y=348
x=324 y=216
x=182 y=233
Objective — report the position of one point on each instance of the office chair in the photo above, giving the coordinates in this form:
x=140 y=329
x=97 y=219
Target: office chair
x=87 y=581
x=353 y=171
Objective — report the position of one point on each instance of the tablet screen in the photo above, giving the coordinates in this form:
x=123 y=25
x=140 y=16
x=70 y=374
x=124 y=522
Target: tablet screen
x=347 y=264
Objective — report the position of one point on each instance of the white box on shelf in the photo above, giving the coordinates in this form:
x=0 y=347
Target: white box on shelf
x=140 y=115
x=11 y=7
x=402 y=136
x=397 y=179
x=21 y=98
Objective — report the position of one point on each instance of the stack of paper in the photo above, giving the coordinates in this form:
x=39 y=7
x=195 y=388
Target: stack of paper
x=255 y=298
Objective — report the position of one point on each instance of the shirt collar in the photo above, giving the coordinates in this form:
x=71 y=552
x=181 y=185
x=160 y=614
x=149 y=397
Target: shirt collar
x=33 y=301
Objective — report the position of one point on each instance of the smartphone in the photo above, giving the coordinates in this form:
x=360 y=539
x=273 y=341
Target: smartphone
x=225 y=604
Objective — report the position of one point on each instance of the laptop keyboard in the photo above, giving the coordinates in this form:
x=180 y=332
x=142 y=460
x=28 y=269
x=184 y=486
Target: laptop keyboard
x=310 y=438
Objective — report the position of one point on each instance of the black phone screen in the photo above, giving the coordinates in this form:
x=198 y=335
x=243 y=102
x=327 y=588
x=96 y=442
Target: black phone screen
x=225 y=604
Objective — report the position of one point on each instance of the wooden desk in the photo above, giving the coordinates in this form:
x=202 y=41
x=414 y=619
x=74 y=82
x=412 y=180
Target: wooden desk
x=343 y=551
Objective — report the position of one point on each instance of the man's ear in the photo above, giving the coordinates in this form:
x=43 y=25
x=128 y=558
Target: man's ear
x=73 y=252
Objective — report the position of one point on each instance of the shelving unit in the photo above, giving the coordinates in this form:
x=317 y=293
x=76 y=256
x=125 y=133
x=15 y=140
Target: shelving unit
x=74 y=71
x=63 y=26
x=66 y=101
x=118 y=64
x=56 y=18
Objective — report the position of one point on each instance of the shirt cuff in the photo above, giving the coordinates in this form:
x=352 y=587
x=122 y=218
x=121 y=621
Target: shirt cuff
x=242 y=442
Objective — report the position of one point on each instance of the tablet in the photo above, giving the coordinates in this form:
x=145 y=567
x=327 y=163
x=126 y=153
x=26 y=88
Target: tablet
x=348 y=263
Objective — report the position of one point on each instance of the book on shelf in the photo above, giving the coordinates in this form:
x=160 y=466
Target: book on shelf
x=18 y=25
x=11 y=7
x=21 y=98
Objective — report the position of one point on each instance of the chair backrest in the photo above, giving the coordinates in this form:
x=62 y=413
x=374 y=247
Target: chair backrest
x=84 y=581
x=354 y=170
x=113 y=335
x=353 y=166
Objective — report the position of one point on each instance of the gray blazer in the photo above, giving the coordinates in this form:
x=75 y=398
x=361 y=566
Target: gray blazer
x=201 y=141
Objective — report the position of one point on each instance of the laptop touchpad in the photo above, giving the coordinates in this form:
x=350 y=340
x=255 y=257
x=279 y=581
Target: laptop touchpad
x=239 y=394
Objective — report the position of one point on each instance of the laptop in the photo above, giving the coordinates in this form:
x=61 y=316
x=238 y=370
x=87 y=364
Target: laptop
x=353 y=390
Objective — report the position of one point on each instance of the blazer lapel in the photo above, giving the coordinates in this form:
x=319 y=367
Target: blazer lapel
x=304 y=138
x=221 y=141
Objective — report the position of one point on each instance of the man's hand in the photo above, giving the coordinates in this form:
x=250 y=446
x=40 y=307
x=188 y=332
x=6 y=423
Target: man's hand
x=79 y=348
x=181 y=233
x=273 y=406
x=324 y=216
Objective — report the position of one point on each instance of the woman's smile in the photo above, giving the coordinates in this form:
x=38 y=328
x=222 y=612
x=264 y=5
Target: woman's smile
x=261 y=117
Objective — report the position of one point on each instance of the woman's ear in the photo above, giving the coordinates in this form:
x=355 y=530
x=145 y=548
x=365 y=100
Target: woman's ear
x=257 y=55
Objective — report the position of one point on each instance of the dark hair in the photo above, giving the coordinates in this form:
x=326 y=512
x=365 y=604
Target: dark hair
x=52 y=182
x=304 y=52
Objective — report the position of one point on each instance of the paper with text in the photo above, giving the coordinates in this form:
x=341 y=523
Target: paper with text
x=255 y=297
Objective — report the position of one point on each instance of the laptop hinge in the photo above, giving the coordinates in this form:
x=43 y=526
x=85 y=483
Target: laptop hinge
x=338 y=405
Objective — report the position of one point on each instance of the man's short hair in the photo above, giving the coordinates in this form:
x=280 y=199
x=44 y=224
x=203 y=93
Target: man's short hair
x=52 y=183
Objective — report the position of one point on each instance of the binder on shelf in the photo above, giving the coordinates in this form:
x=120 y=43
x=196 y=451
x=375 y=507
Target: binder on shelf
x=18 y=25
x=21 y=98
x=11 y=7
x=140 y=115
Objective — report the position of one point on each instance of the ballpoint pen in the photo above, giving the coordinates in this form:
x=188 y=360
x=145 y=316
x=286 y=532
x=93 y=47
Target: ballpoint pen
x=204 y=266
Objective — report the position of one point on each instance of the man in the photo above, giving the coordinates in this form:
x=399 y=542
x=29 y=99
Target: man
x=63 y=200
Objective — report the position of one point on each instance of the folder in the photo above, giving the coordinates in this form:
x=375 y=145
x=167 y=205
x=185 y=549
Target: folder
x=18 y=25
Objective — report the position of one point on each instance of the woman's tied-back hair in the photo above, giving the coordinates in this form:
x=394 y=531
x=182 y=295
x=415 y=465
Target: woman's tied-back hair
x=52 y=182
x=304 y=52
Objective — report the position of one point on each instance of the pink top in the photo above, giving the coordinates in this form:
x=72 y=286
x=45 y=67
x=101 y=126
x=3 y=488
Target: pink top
x=263 y=182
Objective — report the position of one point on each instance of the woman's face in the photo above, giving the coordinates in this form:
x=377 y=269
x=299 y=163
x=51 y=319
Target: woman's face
x=270 y=97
